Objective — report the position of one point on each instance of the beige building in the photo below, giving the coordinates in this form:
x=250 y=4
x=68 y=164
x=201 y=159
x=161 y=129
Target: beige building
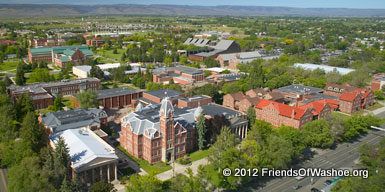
x=92 y=159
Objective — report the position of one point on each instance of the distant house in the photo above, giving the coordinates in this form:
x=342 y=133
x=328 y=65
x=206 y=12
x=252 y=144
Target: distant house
x=214 y=48
x=378 y=81
x=46 y=42
x=231 y=60
x=7 y=42
x=95 y=42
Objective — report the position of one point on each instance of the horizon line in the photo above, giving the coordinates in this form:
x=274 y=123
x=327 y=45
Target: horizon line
x=190 y=5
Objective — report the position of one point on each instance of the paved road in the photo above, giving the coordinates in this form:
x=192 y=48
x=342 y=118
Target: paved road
x=3 y=180
x=343 y=156
x=181 y=169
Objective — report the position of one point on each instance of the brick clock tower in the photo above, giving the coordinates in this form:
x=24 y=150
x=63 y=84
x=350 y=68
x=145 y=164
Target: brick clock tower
x=166 y=123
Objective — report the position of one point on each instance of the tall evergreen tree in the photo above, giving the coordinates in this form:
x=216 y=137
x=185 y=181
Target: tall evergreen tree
x=87 y=99
x=20 y=79
x=201 y=129
x=23 y=106
x=58 y=103
x=251 y=115
x=96 y=72
x=32 y=132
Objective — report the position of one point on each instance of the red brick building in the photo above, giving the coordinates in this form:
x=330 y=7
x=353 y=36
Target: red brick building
x=60 y=54
x=159 y=133
x=46 y=42
x=279 y=114
x=247 y=102
x=378 y=81
x=193 y=102
x=155 y=97
x=350 y=102
x=95 y=42
x=42 y=94
x=180 y=75
x=118 y=98
x=233 y=100
x=7 y=42
x=351 y=99
x=320 y=109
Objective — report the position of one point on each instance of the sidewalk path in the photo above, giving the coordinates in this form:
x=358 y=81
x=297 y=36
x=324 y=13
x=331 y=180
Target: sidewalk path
x=178 y=168
x=379 y=110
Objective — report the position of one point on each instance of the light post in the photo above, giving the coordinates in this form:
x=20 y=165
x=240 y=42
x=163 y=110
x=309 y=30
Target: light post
x=311 y=176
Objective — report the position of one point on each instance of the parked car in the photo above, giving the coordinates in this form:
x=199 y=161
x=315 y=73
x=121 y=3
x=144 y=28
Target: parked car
x=328 y=182
x=296 y=187
x=314 y=190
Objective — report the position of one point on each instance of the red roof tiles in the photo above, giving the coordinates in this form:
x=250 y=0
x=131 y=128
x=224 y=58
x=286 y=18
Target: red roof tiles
x=283 y=109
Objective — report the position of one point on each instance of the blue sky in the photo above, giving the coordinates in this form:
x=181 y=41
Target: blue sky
x=378 y=4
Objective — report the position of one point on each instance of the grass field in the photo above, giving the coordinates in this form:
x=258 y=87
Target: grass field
x=151 y=169
x=9 y=65
x=107 y=56
x=199 y=155
x=111 y=84
x=375 y=106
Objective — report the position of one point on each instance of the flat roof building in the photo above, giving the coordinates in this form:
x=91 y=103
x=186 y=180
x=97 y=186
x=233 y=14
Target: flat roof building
x=42 y=94
x=326 y=68
x=118 y=97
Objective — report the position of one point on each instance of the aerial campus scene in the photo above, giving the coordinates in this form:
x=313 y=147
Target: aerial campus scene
x=192 y=96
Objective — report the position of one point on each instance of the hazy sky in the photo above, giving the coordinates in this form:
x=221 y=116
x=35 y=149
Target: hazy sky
x=379 y=4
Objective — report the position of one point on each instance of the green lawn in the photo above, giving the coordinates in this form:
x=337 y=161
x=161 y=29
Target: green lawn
x=150 y=169
x=112 y=84
x=9 y=65
x=340 y=115
x=199 y=155
x=375 y=106
x=108 y=56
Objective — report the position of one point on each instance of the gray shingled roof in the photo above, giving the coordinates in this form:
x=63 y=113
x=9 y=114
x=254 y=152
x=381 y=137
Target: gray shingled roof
x=223 y=44
x=213 y=109
x=300 y=89
x=146 y=120
x=165 y=92
x=106 y=93
x=63 y=120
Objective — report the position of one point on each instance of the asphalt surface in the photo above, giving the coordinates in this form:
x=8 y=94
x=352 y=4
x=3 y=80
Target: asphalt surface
x=3 y=180
x=343 y=156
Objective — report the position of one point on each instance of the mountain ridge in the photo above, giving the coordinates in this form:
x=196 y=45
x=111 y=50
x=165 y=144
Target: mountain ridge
x=36 y=10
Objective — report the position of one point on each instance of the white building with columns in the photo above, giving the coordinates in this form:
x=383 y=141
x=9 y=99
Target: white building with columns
x=92 y=159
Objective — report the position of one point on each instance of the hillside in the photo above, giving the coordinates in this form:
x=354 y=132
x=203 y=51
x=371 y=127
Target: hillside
x=18 y=10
